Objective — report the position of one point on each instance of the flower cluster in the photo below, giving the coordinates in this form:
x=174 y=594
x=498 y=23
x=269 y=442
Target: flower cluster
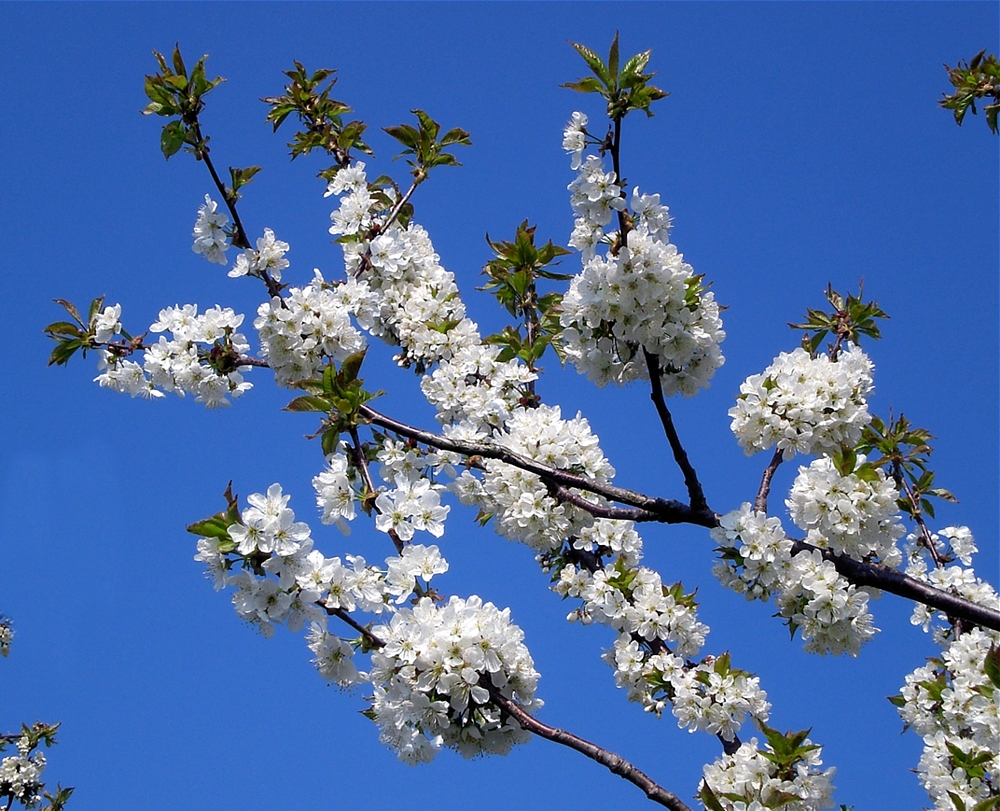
x=433 y=675
x=950 y=544
x=418 y=305
x=20 y=774
x=521 y=502
x=952 y=703
x=802 y=404
x=755 y=779
x=474 y=386
x=658 y=631
x=433 y=667
x=6 y=635
x=211 y=237
x=310 y=327
x=202 y=357
x=756 y=560
x=854 y=515
x=644 y=299
x=269 y=258
x=336 y=491
x=595 y=196
x=641 y=297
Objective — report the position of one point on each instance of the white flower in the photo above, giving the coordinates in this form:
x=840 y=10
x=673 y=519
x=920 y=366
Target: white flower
x=575 y=138
x=210 y=237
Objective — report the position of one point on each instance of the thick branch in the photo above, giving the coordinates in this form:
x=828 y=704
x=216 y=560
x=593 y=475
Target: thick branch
x=695 y=493
x=902 y=585
x=666 y=510
x=614 y=763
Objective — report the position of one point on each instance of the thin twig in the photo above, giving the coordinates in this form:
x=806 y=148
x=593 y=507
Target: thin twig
x=240 y=237
x=361 y=463
x=636 y=514
x=398 y=207
x=760 y=503
x=614 y=763
x=695 y=492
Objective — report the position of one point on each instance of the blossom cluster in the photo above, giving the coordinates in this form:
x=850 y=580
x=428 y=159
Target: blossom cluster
x=268 y=259
x=521 y=502
x=202 y=357
x=802 y=404
x=480 y=399
x=851 y=514
x=432 y=679
x=751 y=779
x=6 y=635
x=641 y=296
x=756 y=560
x=952 y=703
x=950 y=544
x=433 y=667
x=20 y=774
x=211 y=237
x=309 y=327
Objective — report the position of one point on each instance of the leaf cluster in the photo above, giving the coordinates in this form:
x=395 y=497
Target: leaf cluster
x=175 y=92
x=322 y=117
x=423 y=144
x=904 y=451
x=850 y=319
x=975 y=80
x=79 y=334
x=625 y=89
x=511 y=278
x=339 y=394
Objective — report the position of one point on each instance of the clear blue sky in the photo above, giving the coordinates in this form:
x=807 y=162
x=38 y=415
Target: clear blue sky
x=801 y=144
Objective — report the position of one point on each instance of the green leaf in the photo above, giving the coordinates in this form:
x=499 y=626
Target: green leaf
x=63 y=328
x=586 y=85
x=178 y=61
x=172 y=138
x=329 y=441
x=215 y=527
x=708 y=798
x=595 y=63
x=63 y=351
x=352 y=365
x=613 y=59
x=68 y=306
x=308 y=403
x=992 y=666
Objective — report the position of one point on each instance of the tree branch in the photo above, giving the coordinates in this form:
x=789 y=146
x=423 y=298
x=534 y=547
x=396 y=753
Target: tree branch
x=674 y=512
x=362 y=465
x=637 y=514
x=760 y=503
x=240 y=237
x=666 y=511
x=896 y=582
x=695 y=493
x=614 y=763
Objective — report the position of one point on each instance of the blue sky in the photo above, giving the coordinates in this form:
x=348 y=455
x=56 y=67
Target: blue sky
x=801 y=144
